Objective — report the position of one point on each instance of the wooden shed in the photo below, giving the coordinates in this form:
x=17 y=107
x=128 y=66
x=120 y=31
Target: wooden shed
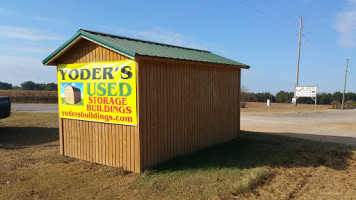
x=72 y=94
x=187 y=99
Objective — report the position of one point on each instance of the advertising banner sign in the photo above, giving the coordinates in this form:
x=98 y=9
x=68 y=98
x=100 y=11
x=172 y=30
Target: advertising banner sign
x=99 y=91
x=305 y=91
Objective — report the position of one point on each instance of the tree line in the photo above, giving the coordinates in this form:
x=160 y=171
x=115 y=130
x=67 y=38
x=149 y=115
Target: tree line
x=246 y=96
x=29 y=85
x=286 y=97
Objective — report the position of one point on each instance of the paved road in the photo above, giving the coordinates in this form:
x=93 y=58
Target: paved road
x=335 y=126
x=35 y=107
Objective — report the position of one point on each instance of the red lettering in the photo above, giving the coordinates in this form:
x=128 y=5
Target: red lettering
x=105 y=100
x=128 y=110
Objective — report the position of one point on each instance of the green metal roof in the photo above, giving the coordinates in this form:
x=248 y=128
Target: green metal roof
x=132 y=47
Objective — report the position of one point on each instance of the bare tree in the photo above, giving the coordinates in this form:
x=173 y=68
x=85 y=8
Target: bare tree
x=244 y=96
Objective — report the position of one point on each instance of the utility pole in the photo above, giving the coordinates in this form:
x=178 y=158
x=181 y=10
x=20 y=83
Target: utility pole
x=300 y=36
x=343 y=95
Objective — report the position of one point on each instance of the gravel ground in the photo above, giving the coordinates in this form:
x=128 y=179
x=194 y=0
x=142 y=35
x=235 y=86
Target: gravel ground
x=336 y=126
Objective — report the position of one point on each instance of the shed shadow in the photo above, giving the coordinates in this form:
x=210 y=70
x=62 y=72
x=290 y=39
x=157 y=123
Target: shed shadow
x=254 y=149
x=12 y=138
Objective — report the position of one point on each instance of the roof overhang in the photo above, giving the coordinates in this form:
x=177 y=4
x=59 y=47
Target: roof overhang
x=49 y=60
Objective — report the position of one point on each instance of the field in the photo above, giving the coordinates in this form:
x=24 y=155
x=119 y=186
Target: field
x=254 y=165
x=30 y=96
x=275 y=108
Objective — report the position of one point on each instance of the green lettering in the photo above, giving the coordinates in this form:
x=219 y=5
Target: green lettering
x=121 y=87
x=111 y=87
x=101 y=87
x=89 y=91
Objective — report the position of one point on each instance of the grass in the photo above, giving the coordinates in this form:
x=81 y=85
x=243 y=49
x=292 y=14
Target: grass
x=255 y=165
x=80 y=103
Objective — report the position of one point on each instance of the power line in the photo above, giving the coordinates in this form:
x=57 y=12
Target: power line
x=325 y=44
x=326 y=48
x=288 y=8
x=266 y=15
x=281 y=11
x=313 y=35
x=232 y=11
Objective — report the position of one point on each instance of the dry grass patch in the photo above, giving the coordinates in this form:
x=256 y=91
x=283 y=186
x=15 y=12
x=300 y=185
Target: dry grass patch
x=282 y=108
x=343 y=126
x=253 y=166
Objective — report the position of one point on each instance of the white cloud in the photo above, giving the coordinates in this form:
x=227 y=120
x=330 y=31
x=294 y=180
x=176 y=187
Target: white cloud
x=73 y=84
x=169 y=37
x=345 y=24
x=17 y=69
x=4 y=11
x=26 y=34
x=158 y=34
x=42 y=19
x=27 y=49
x=16 y=62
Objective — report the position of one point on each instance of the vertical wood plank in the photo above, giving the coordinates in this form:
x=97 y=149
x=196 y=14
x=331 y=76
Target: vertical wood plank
x=148 y=117
x=71 y=132
x=109 y=144
x=66 y=137
x=116 y=155
x=124 y=147
x=143 y=113
x=103 y=142
x=132 y=141
x=97 y=142
x=137 y=132
x=61 y=142
x=121 y=142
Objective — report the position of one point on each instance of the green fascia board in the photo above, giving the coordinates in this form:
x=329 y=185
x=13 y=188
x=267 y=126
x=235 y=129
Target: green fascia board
x=91 y=37
x=108 y=44
x=59 y=49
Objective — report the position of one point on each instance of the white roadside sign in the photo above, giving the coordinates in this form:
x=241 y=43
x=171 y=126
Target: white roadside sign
x=305 y=91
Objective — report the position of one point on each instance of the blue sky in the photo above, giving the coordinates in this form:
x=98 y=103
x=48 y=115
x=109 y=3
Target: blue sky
x=262 y=34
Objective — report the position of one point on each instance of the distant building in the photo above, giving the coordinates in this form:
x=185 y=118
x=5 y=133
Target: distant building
x=72 y=95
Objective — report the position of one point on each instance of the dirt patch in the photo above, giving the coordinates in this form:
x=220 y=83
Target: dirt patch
x=341 y=126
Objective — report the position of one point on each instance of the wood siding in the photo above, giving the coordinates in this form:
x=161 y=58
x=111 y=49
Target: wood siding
x=108 y=144
x=185 y=106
